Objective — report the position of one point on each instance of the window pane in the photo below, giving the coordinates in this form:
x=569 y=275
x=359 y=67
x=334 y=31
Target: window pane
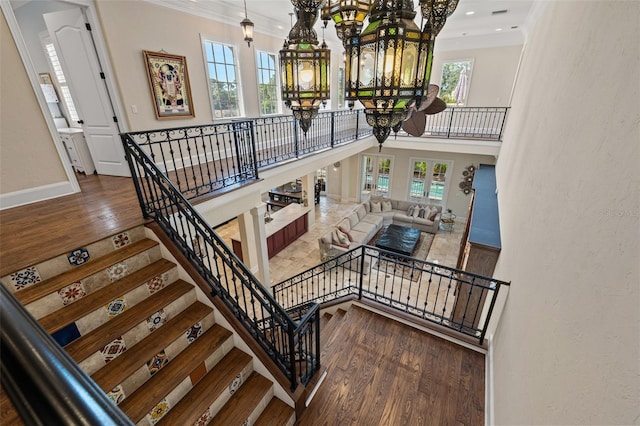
x=267 y=84
x=223 y=77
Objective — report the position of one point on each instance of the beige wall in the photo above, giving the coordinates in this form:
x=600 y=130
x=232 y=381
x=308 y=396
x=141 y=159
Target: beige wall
x=492 y=75
x=177 y=33
x=566 y=350
x=28 y=158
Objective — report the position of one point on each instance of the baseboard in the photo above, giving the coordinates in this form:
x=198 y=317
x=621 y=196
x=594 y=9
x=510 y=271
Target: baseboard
x=32 y=195
x=488 y=391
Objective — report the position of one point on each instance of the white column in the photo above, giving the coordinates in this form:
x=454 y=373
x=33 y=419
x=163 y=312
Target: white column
x=248 y=238
x=309 y=185
x=260 y=244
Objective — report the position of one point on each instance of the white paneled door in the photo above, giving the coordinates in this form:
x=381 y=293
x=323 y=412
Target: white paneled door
x=79 y=61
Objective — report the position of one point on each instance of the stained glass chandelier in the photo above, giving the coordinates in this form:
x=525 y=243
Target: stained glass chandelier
x=388 y=65
x=305 y=65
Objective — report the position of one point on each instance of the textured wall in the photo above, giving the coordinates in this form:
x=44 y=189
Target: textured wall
x=567 y=346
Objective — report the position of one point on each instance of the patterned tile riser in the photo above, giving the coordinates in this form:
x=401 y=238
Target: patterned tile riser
x=60 y=264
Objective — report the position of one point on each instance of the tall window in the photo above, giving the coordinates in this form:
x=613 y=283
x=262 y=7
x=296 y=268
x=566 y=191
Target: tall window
x=376 y=176
x=62 y=82
x=267 y=84
x=223 y=80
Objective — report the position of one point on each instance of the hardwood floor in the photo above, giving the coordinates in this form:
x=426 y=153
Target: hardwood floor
x=32 y=233
x=380 y=372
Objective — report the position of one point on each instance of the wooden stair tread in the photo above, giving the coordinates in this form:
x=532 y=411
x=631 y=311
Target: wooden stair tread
x=327 y=332
x=276 y=413
x=147 y=396
x=96 y=339
x=133 y=358
x=243 y=402
x=36 y=291
x=73 y=312
x=207 y=390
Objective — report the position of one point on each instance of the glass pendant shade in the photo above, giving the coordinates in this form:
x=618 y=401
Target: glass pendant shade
x=348 y=16
x=305 y=67
x=388 y=66
x=247 y=30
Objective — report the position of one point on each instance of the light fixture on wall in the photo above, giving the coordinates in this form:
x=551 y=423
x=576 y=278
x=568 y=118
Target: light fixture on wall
x=388 y=64
x=305 y=65
x=336 y=166
x=247 y=26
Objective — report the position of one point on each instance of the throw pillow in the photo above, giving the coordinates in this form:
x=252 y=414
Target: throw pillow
x=432 y=214
x=386 y=206
x=335 y=239
x=422 y=212
x=375 y=206
x=345 y=232
x=416 y=211
x=410 y=210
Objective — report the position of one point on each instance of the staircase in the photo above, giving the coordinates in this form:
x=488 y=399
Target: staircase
x=123 y=314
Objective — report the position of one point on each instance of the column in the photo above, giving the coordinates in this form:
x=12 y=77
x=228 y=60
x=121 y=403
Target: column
x=260 y=244
x=309 y=185
x=248 y=238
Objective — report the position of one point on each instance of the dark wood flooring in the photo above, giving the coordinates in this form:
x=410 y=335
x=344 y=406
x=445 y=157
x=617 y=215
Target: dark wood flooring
x=381 y=372
x=33 y=233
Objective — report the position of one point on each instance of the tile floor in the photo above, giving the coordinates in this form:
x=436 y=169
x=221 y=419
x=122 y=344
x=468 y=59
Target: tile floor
x=304 y=253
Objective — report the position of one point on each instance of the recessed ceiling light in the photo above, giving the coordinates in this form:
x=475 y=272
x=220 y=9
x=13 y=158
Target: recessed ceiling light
x=471 y=12
x=514 y=27
x=498 y=29
x=464 y=34
x=280 y=27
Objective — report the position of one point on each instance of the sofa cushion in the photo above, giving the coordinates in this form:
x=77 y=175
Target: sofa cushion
x=359 y=237
x=410 y=210
x=433 y=212
x=403 y=205
x=421 y=221
x=353 y=219
x=376 y=206
x=402 y=217
x=339 y=239
x=366 y=227
x=386 y=206
x=345 y=224
x=373 y=218
x=361 y=211
x=347 y=233
x=416 y=211
x=423 y=212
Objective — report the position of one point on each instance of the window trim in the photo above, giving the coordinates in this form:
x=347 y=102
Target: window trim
x=210 y=39
x=278 y=87
x=447 y=179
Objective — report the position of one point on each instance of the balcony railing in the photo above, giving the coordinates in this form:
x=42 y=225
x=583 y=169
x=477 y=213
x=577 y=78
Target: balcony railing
x=485 y=123
x=292 y=343
x=451 y=298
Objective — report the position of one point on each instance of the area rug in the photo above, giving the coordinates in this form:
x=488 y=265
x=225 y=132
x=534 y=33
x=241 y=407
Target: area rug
x=401 y=266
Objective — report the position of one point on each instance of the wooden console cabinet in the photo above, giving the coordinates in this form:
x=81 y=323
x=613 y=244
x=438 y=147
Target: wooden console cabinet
x=480 y=245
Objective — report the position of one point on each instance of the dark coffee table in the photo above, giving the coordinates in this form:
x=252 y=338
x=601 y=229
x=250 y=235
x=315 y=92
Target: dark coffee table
x=399 y=239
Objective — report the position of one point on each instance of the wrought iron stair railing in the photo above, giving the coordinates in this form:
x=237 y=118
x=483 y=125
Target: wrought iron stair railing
x=291 y=343
x=454 y=299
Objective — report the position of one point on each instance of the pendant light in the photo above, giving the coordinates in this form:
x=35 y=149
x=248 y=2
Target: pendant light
x=305 y=65
x=247 y=26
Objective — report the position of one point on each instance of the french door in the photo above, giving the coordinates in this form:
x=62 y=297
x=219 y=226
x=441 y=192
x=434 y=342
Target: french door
x=376 y=176
x=429 y=181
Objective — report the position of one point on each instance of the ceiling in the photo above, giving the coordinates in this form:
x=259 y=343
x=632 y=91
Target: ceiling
x=483 y=28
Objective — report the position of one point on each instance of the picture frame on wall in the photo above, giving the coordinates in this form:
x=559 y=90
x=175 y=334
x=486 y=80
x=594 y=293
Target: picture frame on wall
x=169 y=84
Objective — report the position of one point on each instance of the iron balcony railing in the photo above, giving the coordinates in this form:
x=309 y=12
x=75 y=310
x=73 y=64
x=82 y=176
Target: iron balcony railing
x=292 y=343
x=486 y=123
x=452 y=298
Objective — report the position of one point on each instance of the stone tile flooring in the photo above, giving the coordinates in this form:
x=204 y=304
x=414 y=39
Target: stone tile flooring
x=304 y=253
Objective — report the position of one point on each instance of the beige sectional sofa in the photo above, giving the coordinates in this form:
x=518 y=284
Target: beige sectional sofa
x=359 y=226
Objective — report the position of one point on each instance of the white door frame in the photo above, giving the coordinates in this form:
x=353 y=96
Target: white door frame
x=32 y=74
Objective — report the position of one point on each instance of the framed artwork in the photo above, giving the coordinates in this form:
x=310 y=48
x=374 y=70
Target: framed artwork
x=169 y=84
